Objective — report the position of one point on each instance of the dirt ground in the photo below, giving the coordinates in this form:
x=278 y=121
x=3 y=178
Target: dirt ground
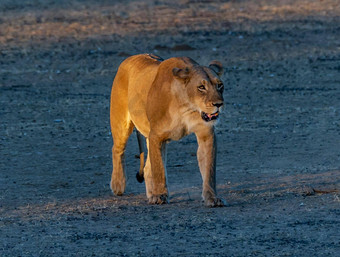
x=278 y=163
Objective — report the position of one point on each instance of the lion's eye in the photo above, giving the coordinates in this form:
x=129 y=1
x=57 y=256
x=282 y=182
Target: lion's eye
x=220 y=87
x=201 y=88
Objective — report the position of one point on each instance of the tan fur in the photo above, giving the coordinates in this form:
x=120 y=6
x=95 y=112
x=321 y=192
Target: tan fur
x=161 y=99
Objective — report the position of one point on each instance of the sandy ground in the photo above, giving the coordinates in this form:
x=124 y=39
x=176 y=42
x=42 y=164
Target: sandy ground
x=278 y=139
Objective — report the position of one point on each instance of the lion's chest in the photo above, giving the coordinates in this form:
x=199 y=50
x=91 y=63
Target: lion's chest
x=177 y=133
x=183 y=124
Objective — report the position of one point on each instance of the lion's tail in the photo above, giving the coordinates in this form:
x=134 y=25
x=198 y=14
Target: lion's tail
x=140 y=174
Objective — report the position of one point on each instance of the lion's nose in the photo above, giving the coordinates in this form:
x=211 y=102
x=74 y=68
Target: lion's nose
x=218 y=105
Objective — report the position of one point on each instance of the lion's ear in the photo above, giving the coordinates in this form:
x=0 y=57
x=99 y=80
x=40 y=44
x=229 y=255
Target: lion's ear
x=217 y=67
x=181 y=73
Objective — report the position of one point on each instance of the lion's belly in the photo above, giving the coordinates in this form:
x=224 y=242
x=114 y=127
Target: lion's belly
x=138 y=91
x=140 y=121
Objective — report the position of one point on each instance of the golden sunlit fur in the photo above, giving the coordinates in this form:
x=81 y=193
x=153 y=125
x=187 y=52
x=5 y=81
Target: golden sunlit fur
x=165 y=100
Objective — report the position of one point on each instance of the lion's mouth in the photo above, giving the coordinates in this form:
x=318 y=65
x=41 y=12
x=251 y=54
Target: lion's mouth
x=209 y=117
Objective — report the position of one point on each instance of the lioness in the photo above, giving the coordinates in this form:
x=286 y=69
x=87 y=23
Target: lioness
x=165 y=100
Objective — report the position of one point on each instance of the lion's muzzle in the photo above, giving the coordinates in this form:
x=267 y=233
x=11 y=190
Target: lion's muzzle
x=209 y=117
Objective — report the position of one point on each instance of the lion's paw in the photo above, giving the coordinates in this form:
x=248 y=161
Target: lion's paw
x=117 y=188
x=214 y=202
x=158 y=199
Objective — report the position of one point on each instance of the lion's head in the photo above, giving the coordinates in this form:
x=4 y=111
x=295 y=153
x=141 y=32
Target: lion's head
x=204 y=88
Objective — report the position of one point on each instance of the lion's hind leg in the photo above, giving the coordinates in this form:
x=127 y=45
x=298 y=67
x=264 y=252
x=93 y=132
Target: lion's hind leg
x=118 y=178
x=121 y=128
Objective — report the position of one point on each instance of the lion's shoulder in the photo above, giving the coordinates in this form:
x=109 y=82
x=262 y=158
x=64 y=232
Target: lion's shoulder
x=179 y=62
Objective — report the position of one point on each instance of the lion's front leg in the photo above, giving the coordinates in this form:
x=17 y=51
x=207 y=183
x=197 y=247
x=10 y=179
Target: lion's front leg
x=206 y=155
x=157 y=152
